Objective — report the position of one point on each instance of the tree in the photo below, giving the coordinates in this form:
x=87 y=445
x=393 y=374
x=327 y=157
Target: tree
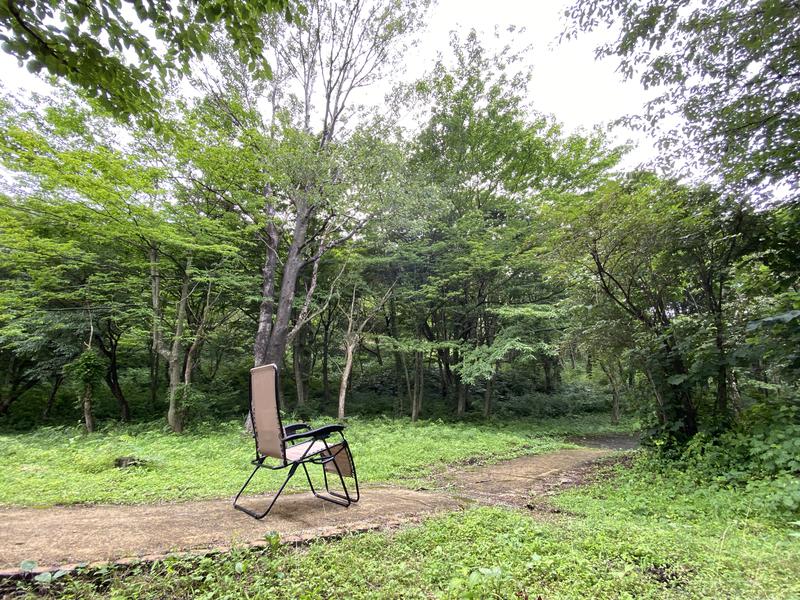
x=492 y=165
x=99 y=203
x=302 y=190
x=84 y=42
x=87 y=369
x=358 y=316
x=666 y=257
x=730 y=69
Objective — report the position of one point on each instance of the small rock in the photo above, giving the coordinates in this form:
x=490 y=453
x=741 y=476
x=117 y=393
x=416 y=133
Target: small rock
x=123 y=462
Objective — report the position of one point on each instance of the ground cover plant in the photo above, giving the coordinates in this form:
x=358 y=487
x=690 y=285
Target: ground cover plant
x=66 y=465
x=636 y=532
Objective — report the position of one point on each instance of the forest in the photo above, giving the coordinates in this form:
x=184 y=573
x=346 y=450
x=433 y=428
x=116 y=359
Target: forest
x=444 y=261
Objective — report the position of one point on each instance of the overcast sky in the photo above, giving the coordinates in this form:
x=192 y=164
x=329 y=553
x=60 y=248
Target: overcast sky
x=568 y=82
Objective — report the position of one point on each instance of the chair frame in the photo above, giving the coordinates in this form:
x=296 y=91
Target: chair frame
x=293 y=434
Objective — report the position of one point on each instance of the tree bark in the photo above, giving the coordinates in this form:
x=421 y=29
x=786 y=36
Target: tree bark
x=416 y=404
x=276 y=344
x=349 y=349
x=297 y=365
x=462 y=391
x=175 y=412
x=108 y=343
x=487 y=395
x=612 y=380
x=267 y=307
x=88 y=417
x=51 y=398
x=155 y=374
x=171 y=354
x=547 y=367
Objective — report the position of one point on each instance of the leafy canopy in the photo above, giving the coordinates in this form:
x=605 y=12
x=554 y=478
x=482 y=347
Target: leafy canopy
x=106 y=47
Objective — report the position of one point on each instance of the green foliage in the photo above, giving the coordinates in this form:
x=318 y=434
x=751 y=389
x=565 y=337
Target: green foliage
x=88 y=368
x=64 y=466
x=84 y=43
x=728 y=68
x=569 y=399
x=761 y=454
x=635 y=535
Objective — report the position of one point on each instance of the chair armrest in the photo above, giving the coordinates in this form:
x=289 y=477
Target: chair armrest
x=294 y=427
x=318 y=433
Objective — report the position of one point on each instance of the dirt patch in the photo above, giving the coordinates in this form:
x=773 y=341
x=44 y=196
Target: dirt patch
x=513 y=482
x=583 y=474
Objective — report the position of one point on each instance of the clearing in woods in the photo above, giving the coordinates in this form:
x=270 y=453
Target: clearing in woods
x=65 y=536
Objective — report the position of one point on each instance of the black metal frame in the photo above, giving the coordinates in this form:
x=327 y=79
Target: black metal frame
x=320 y=457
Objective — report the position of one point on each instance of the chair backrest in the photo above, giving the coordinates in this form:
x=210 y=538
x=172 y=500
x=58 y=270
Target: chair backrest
x=265 y=411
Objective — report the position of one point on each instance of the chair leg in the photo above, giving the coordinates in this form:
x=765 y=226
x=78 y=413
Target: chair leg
x=328 y=497
x=346 y=495
x=253 y=513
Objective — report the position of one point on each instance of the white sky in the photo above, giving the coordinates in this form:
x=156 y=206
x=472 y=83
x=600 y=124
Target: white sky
x=568 y=82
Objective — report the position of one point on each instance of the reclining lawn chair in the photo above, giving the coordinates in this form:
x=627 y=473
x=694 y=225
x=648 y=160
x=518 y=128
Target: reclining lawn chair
x=295 y=445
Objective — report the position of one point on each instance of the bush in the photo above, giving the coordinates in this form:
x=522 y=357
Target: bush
x=761 y=454
x=569 y=399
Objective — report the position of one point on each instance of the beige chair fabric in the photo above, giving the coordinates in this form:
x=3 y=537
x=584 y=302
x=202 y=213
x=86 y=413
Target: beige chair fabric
x=266 y=417
x=269 y=429
x=342 y=460
x=304 y=450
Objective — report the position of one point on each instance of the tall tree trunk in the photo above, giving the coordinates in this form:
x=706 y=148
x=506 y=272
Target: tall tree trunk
x=51 y=398
x=400 y=370
x=155 y=374
x=171 y=354
x=409 y=385
x=416 y=404
x=297 y=365
x=175 y=412
x=442 y=381
x=276 y=345
x=462 y=391
x=112 y=380
x=273 y=320
x=108 y=342
x=448 y=381
x=175 y=408
x=487 y=395
x=266 y=310
x=349 y=349
x=86 y=401
x=547 y=367
x=612 y=380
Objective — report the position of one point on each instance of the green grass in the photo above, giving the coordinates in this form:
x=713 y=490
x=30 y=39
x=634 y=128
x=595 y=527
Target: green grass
x=638 y=535
x=65 y=466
